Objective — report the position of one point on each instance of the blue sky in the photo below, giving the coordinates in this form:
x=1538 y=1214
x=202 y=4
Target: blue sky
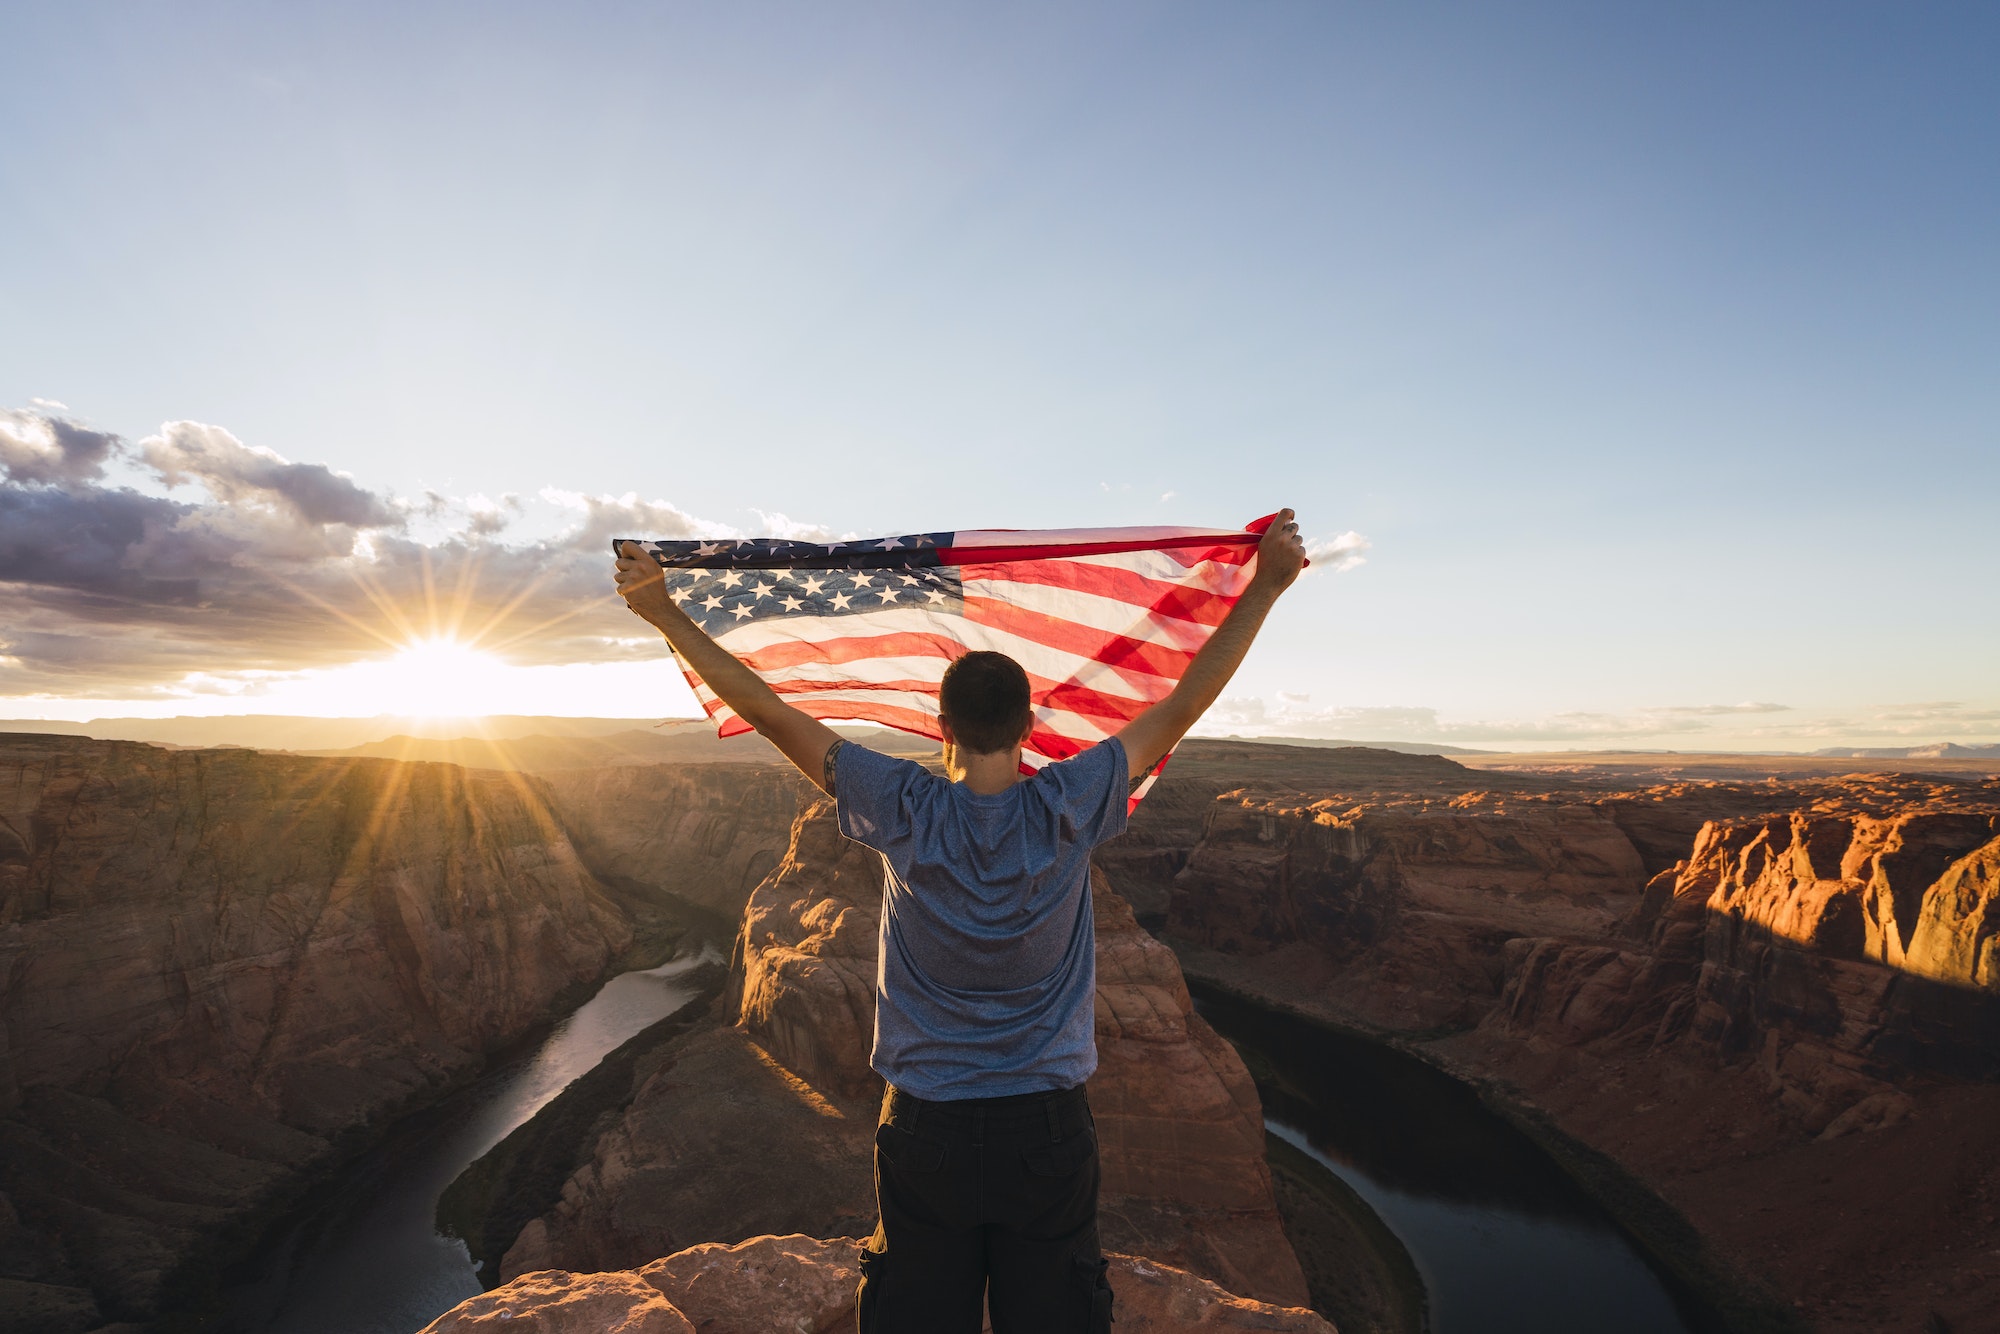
x=1653 y=349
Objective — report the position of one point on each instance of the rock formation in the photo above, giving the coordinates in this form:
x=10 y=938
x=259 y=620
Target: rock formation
x=805 y=1284
x=786 y=1097
x=217 y=964
x=1713 y=982
x=704 y=833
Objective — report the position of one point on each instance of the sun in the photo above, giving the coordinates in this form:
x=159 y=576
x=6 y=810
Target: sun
x=435 y=678
x=438 y=677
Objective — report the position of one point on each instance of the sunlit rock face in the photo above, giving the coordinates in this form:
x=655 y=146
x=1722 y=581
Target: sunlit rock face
x=1849 y=946
x=807 y=1284
x=1178 y=1118
x=218 y=962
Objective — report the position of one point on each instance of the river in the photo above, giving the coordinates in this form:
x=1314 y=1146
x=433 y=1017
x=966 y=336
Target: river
x=368 y=1258
x=1505 y=1242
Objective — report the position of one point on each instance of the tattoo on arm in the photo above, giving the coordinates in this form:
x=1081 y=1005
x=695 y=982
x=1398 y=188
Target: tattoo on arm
x=827 y=766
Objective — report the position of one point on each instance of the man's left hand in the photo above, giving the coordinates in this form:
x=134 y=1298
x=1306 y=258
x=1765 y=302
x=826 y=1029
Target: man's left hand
x=643 y=584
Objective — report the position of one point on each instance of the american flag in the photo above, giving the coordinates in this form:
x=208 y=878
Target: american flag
x=1103 y=620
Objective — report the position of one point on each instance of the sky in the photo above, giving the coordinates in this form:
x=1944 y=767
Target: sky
x=1650 y=355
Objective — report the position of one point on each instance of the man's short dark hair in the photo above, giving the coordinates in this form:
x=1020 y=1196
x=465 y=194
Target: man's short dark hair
x=985 y=699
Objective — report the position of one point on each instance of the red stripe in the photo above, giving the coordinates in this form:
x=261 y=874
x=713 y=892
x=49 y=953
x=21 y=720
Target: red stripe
x=852 y=648
x=1232 y=548
x=1179 y=601
x=869 y=711
x=1069 y=697
x=1150 y=669
x=1133 y=659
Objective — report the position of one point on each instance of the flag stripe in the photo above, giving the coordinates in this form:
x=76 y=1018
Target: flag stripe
x=1105 y=663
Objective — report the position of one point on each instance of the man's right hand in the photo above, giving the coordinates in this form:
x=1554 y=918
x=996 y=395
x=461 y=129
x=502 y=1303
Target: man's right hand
x=643 y=584
x=1282 y=553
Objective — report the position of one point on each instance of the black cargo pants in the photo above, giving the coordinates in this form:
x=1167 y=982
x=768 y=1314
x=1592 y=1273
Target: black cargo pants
x=992 y=1198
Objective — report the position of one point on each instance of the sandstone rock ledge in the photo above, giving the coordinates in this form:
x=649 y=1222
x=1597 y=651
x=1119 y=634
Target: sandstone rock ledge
x=801 y=1283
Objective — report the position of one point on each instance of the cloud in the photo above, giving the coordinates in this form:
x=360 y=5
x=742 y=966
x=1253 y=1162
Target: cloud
x=202 y=554
x=1335 y=554
x=233 y=472
x=38 y=450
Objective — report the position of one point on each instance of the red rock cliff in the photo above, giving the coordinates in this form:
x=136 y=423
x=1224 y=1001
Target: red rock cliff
x=215 y=962
x=706 y=833
x=1814 y=967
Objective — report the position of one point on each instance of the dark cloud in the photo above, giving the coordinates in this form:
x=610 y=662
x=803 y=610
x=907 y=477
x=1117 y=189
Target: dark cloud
x=266 y=565
x=38 y=450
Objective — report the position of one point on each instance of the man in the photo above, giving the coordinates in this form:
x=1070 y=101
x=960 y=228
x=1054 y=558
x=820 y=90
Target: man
x=986 y=1169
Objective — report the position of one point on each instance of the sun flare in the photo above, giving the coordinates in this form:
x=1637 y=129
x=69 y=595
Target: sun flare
x=428 y=678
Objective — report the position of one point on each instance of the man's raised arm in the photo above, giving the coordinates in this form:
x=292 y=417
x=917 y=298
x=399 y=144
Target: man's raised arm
x=803 y=739
x=1280 y=557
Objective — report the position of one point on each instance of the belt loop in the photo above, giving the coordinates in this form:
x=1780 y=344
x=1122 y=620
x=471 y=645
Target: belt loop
x=1055 y=1124
x=916 y=1111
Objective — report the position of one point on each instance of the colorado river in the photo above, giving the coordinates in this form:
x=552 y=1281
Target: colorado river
x=368 y=1259
x=1505 y=1242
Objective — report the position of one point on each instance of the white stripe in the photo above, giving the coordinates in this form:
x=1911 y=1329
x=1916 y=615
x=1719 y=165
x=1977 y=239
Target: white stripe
x=1057 y=537
x=1095 y=611
x=1208 y=576
x=1064 y=723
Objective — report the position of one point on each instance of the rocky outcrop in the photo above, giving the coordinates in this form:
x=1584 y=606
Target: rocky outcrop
x=1142 y=864
x=1179 y=1125
x=1716 y=984
x=217 y=964
x=787 y=1096
x=704 y=833
x=808 y=1285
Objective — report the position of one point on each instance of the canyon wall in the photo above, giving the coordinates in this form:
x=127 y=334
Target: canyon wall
x=217 y=964
x=705 y=833
x=781 y=1102
x=1714 y=983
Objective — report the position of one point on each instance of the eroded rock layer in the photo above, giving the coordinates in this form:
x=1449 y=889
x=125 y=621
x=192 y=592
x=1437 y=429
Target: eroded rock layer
x=705 y=833
x=218 y=963
x=1714 y=982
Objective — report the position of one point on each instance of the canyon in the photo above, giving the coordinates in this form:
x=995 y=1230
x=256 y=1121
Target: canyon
x=775 y=1090
x=1756 y=1018
x=1761 y=1015
x=222 y=970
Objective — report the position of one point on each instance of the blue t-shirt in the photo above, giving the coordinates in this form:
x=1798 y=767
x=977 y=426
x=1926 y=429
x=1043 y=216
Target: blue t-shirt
x=987 y=975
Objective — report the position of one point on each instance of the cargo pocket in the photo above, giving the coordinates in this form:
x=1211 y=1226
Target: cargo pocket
x=868 y=1297
x=906 y=1152
x=1094 y=1280
x=1064 y=1159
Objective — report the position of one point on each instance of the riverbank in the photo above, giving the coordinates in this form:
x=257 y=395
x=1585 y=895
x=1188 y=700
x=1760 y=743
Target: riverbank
x=1736 y=1302
x=520 y=1178
x=365 y=1256
x=1359 y=1273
